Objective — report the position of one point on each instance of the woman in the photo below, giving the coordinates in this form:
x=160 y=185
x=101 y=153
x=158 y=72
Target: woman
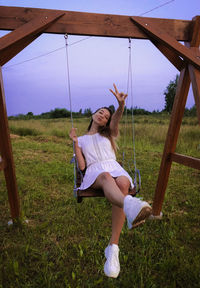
x=95 y=152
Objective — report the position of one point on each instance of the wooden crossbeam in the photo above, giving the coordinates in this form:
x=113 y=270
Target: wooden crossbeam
x=160 y=35
x=185 y=160
x=12 y=43
x=93 y=24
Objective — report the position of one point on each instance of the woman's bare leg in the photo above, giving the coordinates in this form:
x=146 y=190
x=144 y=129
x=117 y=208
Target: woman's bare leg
x=115 y=190
x=111 y=190
x=118 y=216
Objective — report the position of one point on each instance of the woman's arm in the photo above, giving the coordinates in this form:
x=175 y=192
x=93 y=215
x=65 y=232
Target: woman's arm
x=114 y=124
x=79 y=155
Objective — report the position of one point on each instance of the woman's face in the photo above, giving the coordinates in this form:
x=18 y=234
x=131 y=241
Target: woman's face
x=101 y=117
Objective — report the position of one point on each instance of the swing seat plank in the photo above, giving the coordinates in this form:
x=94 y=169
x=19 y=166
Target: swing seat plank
x=91 y=192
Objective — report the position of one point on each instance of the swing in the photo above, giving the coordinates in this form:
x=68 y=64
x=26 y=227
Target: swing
x=90 y=192
x=78 y=174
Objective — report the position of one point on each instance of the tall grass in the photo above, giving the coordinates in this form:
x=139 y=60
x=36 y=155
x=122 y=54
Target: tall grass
x=63 y=243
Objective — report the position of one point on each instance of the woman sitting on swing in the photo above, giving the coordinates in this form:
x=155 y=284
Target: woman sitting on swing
x=95 y=152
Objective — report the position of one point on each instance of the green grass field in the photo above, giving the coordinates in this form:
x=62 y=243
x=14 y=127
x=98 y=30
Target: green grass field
x=63 y=243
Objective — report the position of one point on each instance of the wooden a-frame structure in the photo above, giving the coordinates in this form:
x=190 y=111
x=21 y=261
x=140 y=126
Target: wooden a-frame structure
x=26 y=24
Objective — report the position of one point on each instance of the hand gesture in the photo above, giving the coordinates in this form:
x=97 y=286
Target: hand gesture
x=72 y=134
x=120 y=96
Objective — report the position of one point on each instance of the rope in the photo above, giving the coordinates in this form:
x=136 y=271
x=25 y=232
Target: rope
x=137 y=178
x=73 y=160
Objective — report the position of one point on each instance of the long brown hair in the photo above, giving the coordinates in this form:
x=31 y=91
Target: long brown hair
x=105 y=130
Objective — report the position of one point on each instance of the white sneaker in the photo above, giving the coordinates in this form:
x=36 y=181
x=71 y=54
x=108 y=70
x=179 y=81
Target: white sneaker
x=136 y=211
x=112 y=266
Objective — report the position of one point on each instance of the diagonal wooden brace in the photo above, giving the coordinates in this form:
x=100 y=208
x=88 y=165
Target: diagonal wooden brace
x=11 y=44
x=150 y=29
x=170 y=55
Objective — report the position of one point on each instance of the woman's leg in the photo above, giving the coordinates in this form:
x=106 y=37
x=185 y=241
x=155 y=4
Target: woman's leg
x=118 y=216
x=115 y=190
x=111 y=190
x=112 y=265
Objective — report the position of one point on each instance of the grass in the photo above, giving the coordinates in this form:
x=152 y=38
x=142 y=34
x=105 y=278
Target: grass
x=63 y=243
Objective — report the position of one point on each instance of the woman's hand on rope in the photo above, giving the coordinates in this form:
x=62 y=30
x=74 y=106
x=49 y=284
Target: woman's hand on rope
x=120 y=96
x=72 y=134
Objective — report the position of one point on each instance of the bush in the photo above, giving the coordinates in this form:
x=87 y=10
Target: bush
x=22 y=131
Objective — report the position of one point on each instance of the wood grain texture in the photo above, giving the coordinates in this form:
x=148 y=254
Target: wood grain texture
x=6 y=153
x=186 y=160
x=156 y=33
x=93 y=24
x=11 y=44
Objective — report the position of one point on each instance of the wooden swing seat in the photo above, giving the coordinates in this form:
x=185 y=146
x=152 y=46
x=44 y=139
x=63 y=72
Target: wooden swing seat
x=91 y=192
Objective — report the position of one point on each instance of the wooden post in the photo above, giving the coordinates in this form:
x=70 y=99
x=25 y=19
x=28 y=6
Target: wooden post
x=195 y=79
x=10 y=45
x=175 y=123
x=171 y=140
x=7 y=156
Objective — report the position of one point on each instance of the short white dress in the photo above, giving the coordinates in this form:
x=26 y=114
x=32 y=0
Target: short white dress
x=100 y=157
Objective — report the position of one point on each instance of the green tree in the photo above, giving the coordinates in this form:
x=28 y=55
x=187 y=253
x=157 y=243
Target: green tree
x=87 y=112
x=59 y=113
x=170 y=93
x=112 y=108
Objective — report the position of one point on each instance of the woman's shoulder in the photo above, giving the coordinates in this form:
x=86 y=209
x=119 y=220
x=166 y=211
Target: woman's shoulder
x=83 y=137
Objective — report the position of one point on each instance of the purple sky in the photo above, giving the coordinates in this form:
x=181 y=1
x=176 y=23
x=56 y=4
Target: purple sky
x=40 y=85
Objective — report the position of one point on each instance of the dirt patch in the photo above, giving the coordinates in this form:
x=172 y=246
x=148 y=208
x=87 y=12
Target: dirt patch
x=13 y=136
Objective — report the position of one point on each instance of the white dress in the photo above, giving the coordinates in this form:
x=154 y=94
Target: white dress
x=100 y=157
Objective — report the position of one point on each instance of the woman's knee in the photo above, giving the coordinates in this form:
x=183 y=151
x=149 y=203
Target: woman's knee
x=102 y=180
x=104 y=177
x=124 y=184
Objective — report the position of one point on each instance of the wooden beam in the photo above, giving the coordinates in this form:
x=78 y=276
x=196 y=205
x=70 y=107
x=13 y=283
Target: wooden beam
x=156 y=33
x=170 y=55
x=195 y=79
x=174 y=128
x=185 y=160
x=195 y=32
x=6 y=152
x=93 y=24
x=194 y=73
x=12 y=43
x=171 y=139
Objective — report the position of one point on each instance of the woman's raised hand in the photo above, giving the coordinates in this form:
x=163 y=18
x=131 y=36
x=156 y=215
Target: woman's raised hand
x=72 y=134
x=119 y=95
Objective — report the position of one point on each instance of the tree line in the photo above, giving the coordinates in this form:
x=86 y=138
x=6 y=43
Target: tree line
x=169 y=94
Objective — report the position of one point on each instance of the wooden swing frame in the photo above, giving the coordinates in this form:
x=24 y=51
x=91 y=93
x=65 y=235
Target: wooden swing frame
x=26 y=24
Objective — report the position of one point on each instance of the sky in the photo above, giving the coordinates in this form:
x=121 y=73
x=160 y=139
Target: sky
x=35 y=80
